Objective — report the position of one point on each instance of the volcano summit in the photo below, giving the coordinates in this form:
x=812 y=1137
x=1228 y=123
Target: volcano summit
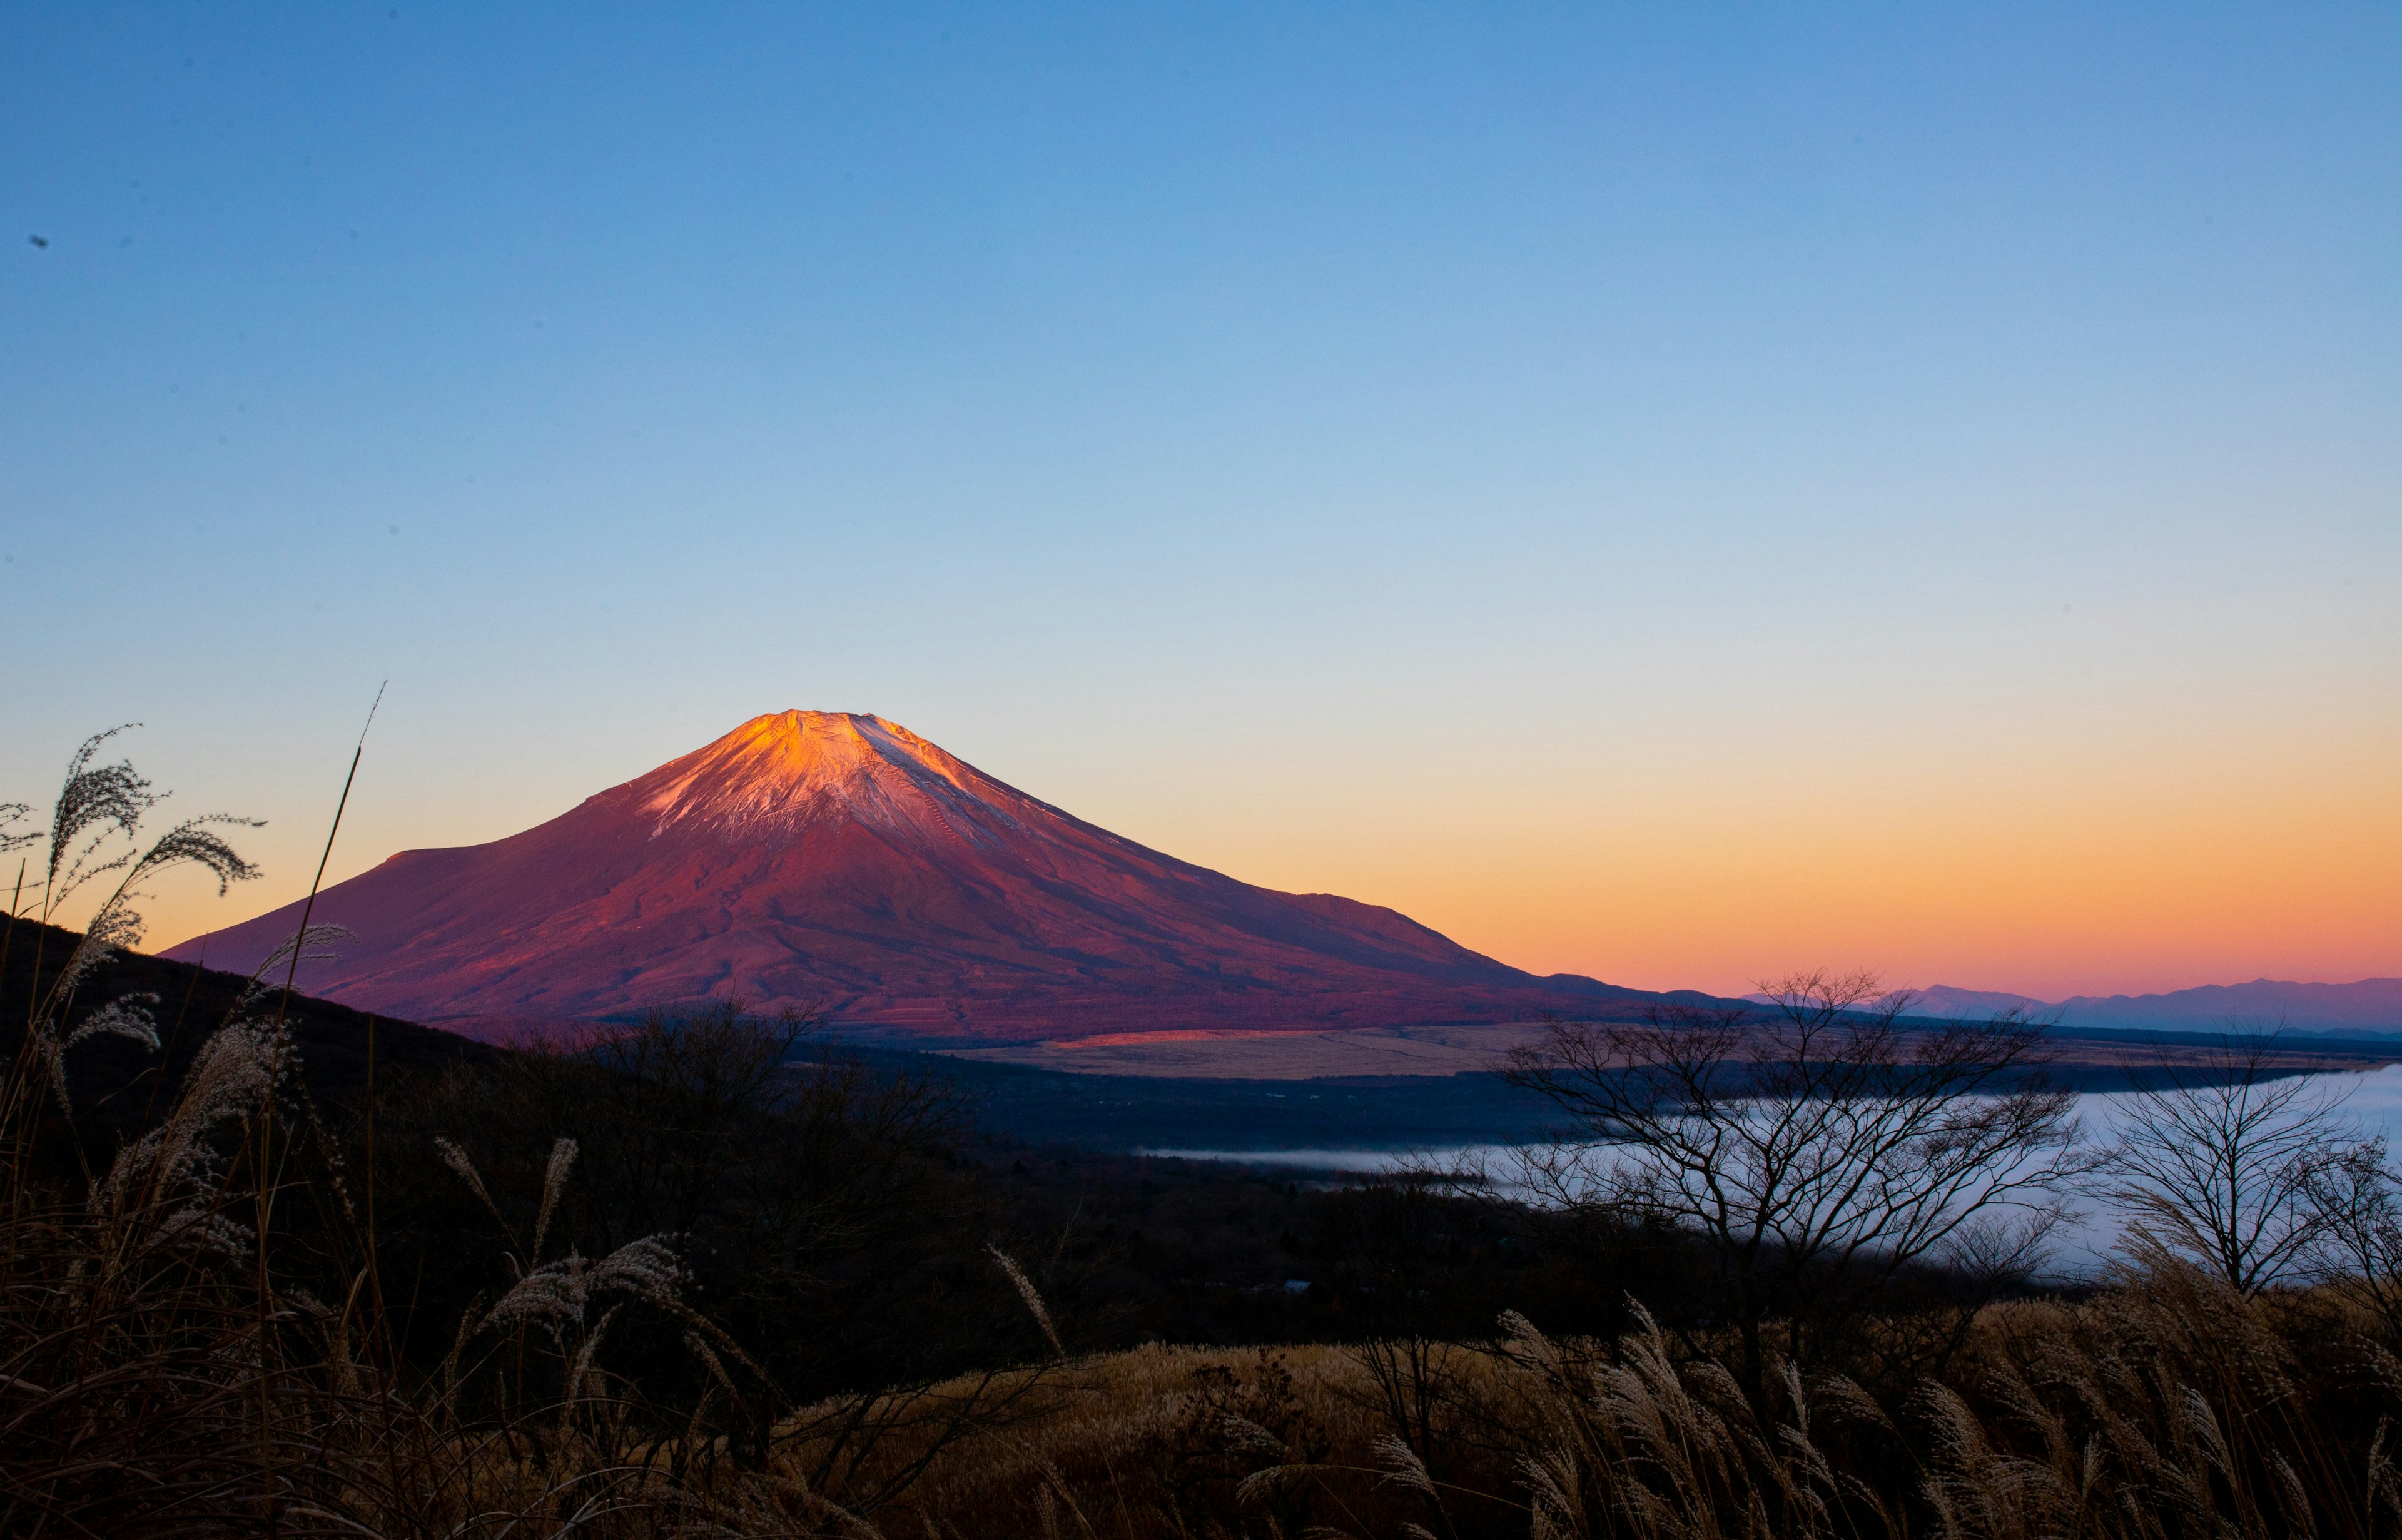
x=821 y=857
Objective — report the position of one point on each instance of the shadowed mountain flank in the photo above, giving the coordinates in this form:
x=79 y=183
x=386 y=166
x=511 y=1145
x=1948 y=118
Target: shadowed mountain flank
x=817 y=857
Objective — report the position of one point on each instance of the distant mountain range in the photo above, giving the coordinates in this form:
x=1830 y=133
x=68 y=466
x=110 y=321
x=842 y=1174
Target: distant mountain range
x=825 y=858
x=2372 y=1005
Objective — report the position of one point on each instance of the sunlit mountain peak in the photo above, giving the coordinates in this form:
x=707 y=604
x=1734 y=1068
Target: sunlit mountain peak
x=787 y=770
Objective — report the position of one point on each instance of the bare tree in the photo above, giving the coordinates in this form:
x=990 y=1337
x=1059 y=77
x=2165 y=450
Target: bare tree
x=1819 y=1147
x=2222 y=1164
x=2358 y=1199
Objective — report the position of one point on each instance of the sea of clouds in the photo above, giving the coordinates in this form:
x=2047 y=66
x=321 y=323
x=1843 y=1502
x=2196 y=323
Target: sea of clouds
x=2369 y=1105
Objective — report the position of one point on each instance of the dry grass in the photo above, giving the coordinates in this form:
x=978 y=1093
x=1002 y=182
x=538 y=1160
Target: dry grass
x=1152 y=1441
x=2166 y=1406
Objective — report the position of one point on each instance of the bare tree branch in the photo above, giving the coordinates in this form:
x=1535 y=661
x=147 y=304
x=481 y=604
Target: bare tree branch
x=1819 y=1147
x=2220 y=1165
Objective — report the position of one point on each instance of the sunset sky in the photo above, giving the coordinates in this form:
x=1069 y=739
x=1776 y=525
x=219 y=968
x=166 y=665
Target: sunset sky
x=1668 y=493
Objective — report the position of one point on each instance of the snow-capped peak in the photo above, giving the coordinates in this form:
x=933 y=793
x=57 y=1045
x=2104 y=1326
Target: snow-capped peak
x=787 y=770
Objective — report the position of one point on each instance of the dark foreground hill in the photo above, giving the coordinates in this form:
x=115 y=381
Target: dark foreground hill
x=114 y=1080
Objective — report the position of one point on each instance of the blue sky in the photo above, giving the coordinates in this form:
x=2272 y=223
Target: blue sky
x=1641 y=490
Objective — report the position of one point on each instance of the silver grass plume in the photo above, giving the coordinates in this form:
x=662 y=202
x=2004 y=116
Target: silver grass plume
x=1245 y=1437
x=306 y=942
x=194 y=842
x=1550 y=1482
x=583 y=1380
x=467 y=1326
x=11 y=839
x=1402 y=1464
x=1525 y=1344
x=1026 y=1291
x=204 y=1229
x=553 y=1182
x=233 y=1074
x=699 y=1348
x=1845 y=1392
x=555 y=1295
x=1264 y=1482
x=2297 y=1501
x=128 y=1017
x=109 y=798
x=1056 y=1482
x=115 y=927
x=458 y=1161
x=2382 y=1486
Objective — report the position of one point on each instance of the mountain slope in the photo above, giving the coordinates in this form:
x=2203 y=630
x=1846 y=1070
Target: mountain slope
x=824 y=857
x=2371 y=1005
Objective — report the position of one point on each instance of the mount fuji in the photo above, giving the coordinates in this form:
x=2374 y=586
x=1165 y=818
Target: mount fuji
x=820 y=858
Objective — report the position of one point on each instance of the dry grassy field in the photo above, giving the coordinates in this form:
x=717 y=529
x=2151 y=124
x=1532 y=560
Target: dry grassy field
x=1215 y=1053
x=2162 y=1406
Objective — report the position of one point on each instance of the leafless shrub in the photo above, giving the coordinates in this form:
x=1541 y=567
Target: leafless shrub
x=2233 y=1164
x=2356 y=1198
x=1820 y=1148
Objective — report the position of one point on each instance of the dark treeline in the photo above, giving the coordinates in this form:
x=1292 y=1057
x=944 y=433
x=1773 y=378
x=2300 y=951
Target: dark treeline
x=835 y=1214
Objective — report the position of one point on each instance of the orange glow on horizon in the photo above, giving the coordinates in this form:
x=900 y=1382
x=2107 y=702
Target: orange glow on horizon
x=2051 y=871
x=2051 y=880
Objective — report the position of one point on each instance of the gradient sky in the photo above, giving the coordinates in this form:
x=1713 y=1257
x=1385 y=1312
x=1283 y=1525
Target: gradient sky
x=1673 y=493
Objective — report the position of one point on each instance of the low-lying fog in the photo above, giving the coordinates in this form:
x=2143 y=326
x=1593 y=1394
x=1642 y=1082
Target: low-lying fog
x=2371 y=1106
